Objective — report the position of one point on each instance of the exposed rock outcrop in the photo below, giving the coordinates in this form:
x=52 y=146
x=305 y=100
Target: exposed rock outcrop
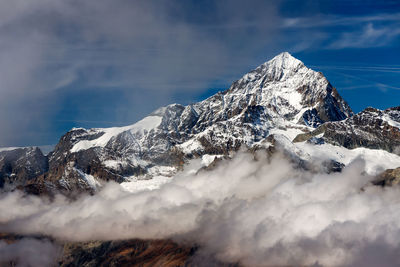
x=371 y=128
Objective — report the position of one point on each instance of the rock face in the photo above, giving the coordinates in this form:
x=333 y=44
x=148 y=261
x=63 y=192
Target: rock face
x=133 y=252
x=126 y=253
x=371 y=128
x=389 y=177
x=20 y=165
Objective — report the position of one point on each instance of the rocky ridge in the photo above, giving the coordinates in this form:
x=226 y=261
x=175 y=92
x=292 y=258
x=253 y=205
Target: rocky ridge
x=20 y=165
x=371 y=128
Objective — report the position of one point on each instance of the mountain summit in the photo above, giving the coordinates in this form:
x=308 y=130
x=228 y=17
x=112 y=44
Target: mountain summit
x=291 y=90
x=282 y=64
x=280 y=97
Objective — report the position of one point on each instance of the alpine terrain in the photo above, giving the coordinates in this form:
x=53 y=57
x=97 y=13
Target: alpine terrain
x=280 y=104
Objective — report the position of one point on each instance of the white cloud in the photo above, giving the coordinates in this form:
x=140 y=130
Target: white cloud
x=369 y=36
x=250 y=211
x=335 y=20
x=324 y=31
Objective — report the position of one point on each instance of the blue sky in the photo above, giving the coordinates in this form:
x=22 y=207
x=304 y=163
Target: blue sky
x=106 y=63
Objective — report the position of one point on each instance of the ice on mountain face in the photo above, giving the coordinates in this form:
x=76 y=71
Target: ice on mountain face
x=289 y=133
x=391 y=116
x=277 y=68
x=146 y=124
x=89 y=179
x=73 y=177
x=114 y=164
x=392 y=119
x=190 y=146
x=375 y=160
x=282 y=66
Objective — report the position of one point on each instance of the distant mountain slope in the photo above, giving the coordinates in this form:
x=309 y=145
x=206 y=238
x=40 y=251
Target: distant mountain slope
x=19 y=165
x=371 y=128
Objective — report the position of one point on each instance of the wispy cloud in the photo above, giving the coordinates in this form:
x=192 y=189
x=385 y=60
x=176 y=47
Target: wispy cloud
x=369 y=36
x=360 y=68
x=338 y=32
x=366 y=82
x=335 y=20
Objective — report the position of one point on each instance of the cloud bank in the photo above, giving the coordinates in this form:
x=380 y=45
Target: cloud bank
x=256 y=212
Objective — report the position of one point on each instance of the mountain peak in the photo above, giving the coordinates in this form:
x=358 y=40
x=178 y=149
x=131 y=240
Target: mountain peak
x=285 y=55
x=284 y=61
x=290 y=90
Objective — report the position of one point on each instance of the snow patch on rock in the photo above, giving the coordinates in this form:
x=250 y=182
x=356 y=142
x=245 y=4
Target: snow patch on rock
x=146 y=124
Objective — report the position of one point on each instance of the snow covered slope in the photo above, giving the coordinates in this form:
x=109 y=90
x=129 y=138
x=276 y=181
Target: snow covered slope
x=138 y=130
x=375 y=160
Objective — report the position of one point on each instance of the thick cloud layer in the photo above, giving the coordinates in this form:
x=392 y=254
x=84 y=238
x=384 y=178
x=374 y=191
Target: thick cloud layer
x=254 y=212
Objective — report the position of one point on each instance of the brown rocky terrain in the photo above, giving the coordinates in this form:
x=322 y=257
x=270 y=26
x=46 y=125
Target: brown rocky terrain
x=389 y=177
x=133 y=253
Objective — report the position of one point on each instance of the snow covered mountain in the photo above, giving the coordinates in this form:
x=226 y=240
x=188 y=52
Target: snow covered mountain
x=19 y=165
x=371 y=128
x=277 y=102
